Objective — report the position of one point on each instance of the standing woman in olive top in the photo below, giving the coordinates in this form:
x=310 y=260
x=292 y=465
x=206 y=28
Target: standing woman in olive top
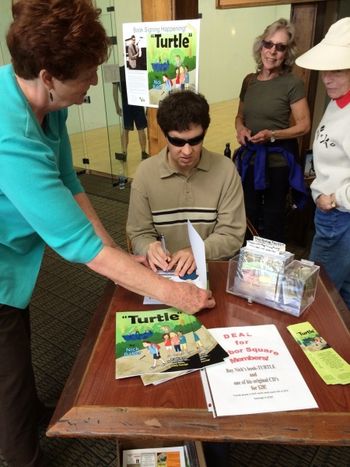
x=56 y=47
x=272 y=114
x=331 y=154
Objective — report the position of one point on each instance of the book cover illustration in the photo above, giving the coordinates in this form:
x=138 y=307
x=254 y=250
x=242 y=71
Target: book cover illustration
x=162 y=341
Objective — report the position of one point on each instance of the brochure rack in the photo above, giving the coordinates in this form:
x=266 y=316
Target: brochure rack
x=277 y=281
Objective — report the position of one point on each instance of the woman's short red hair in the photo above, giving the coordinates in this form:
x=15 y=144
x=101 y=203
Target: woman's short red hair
x=62 y=36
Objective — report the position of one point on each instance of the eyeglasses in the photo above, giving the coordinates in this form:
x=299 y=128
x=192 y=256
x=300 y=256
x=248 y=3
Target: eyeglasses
x=279 y=46
x=179 y=142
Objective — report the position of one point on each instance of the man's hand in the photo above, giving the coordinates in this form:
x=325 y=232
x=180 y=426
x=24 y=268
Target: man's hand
x=191 y=298
x=157 y=258
x=183 y=262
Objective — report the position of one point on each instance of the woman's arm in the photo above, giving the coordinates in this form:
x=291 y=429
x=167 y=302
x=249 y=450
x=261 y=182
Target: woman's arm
x=86 y=206
x=243 y=132
x=122 y=269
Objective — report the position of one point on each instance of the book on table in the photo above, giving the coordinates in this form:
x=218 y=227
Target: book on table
x=163 y=341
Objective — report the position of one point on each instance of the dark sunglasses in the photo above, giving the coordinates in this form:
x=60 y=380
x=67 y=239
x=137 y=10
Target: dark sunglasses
x=279 y=47
x=179 y=142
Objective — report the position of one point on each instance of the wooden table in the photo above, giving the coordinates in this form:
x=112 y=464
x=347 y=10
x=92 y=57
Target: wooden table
x=94 y=404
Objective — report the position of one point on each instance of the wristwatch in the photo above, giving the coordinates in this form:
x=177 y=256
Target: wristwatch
x=273 y=136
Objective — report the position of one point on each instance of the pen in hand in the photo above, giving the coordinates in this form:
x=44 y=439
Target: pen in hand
x=164 y=249
x=163 y=244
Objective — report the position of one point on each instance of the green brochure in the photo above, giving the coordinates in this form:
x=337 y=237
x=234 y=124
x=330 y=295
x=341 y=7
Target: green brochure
x=332 y=368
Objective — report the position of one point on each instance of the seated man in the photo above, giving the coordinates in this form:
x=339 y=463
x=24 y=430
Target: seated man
x=185 y=181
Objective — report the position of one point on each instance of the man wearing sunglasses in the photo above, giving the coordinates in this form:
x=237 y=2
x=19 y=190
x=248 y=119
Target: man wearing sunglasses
x=184 y=182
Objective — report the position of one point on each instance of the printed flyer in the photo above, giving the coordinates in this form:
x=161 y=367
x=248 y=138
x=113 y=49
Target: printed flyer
x=331 y=367
x=155 y=457
x=160 y=57
x=162 y=341
x=258 y=376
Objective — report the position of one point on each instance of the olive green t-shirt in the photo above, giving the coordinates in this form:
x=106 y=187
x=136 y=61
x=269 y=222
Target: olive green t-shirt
x=267 y=104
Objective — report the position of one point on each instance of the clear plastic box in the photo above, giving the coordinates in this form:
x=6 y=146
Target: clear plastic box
x=284 y=284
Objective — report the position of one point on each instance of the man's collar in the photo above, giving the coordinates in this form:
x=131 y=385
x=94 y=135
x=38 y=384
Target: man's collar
x=166 y=170
x=343 y=101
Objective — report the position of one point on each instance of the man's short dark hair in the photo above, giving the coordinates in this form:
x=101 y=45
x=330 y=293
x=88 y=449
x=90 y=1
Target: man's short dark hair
x=182 y=109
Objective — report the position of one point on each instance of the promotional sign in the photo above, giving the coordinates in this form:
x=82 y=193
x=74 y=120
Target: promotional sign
x=259 y=376
x=160 y=57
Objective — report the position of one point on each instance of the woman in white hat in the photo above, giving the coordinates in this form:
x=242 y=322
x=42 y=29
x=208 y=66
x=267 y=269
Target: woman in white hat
x=331 y=152
x=272 y=114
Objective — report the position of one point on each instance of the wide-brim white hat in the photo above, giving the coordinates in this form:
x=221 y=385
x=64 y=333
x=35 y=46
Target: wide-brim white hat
x=333 y=52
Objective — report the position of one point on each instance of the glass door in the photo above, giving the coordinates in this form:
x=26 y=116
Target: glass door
x=89 y=124
x=125 y=146
x=109 y=79
x=96 y=127
x=5 y=20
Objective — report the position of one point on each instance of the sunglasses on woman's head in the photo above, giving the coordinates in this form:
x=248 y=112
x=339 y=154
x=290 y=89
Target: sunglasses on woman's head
x=279 y=46
x=179 y=142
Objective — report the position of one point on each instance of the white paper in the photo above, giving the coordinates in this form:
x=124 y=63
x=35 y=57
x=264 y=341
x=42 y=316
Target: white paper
x=198 y=250
x=259 y=375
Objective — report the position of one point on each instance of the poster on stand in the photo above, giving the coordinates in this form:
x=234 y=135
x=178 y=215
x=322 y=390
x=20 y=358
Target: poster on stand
x=160 y=57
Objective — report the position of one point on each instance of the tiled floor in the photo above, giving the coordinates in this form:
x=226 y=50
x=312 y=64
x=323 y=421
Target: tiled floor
x=63 y=303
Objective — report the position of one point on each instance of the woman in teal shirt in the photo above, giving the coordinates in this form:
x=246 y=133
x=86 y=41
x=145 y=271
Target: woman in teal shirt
x=56 y=47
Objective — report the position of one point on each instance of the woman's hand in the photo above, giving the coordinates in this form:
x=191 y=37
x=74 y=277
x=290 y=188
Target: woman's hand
x=141 y=259
x=326 y=202
x=243 y=135
x=191 y=298
x=262 y=136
